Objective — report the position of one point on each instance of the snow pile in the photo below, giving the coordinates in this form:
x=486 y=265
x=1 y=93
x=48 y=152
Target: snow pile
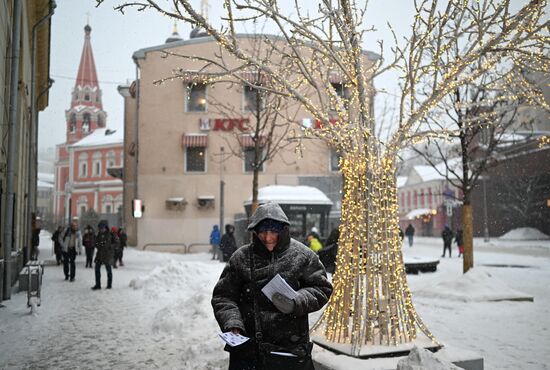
x=422 y=359
x=185 y=315
x=172 y=279
x=476 y=285
x=525 y=233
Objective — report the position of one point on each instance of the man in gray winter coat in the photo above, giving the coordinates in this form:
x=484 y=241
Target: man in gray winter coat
x=283 y=322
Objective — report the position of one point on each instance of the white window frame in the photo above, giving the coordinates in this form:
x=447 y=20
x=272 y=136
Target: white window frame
x=205 y=161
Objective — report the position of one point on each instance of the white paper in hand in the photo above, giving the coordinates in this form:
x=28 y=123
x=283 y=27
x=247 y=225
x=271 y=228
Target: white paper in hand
x=233 y=339
x=279 y=285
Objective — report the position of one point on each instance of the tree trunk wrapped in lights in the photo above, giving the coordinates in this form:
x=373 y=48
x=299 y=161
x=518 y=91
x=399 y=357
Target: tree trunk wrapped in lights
x=372 y=304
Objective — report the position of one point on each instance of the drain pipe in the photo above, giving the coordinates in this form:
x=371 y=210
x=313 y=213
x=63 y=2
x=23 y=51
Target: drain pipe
x=33 y=131
x=7 y=240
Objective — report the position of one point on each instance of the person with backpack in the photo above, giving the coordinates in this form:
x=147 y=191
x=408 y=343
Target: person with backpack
x=71 y=244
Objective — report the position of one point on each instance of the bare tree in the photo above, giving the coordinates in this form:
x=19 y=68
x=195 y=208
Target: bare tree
x=524 y=197
x=478 y=117
x=372 y=303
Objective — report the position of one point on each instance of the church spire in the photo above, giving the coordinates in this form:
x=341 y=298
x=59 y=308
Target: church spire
x=87 y=75
x=86 y=113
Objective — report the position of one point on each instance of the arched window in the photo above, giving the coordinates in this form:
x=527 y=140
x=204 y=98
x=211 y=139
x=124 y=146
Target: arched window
x=82 y=205
x=86 y=123
x=72 y=123
x=107 y=203
x=111 y=159
x=83 y=165
x=96 y=169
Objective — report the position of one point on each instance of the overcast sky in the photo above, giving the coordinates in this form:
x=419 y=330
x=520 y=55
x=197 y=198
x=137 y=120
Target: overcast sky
x=115 y=37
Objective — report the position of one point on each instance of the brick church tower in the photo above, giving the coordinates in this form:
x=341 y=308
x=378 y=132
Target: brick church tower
x=89 y=148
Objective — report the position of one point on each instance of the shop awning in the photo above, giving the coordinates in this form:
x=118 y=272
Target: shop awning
x=247 y=141
x=415 y=213
x=195 y=140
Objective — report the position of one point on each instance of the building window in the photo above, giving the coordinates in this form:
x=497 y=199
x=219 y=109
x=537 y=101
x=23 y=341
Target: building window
x=195 y=159
x=83 y=169
x=100 y=122
x=107 y=203
x=342 y=92
x=249 y=160
x=96 y=166
x=86 y=97
x=252 y=99
x=196 y=97
x=72 y=123
x=111 y=159
x=86 y=123
x=334 y=160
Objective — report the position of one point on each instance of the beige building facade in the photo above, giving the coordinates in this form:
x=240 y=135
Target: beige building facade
x=185 y=136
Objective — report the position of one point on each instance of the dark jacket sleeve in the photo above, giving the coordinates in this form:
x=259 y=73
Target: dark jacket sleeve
x=315 y=290
x=226 y=295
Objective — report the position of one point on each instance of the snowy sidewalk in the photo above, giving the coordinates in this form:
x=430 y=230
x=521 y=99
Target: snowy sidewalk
x=158 y=314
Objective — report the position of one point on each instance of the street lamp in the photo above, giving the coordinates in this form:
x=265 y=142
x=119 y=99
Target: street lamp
x=222 y=184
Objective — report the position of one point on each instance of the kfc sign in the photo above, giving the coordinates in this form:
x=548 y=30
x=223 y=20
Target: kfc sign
x=224 y=124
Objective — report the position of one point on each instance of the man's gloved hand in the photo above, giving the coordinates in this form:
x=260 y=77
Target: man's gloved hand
x=283 y=304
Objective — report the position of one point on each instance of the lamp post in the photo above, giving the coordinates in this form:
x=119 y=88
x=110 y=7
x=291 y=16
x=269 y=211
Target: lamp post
x=222 y=184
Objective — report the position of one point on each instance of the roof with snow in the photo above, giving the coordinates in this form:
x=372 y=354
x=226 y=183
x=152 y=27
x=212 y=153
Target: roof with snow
x=47 y=177
x=401 y=181
x=430 y=173
x=284 y=194
x=44 y=184
x=101 y=137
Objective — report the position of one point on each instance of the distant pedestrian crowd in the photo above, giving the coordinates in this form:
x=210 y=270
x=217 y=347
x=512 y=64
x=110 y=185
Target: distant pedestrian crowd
x=104 y=247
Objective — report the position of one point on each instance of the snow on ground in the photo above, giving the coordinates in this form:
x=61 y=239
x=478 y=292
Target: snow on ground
x=524 y=233
x=158 y=314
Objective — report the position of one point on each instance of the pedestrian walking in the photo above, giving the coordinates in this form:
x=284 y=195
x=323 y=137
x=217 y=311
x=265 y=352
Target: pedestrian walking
x=57 y=245
x=104 y=255
x=35 y=237
x=409 y=232
x=447 y=235
x=274 y=326
x=459 y=239
x=71 y=244
x=115 y=244
x=228 y=245
x=215 y=239
x=123 y=239
x=88 y=239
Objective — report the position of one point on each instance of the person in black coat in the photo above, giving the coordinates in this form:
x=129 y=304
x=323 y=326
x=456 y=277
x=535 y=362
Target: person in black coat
x=228 y=245
x=57 y=245
x=238 y=302
x=409 y=232
x=447 y=235
x=328 y=254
